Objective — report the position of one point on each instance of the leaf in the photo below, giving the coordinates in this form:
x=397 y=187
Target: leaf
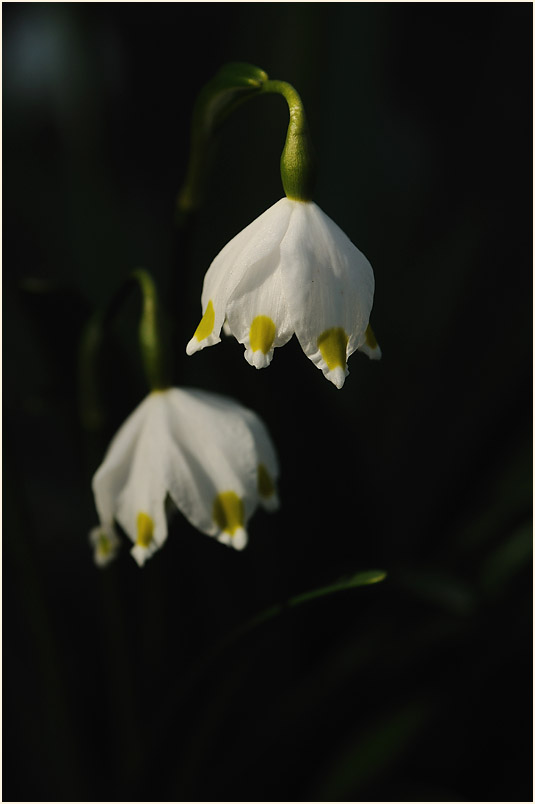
x=359 y=579
x=507 y=560
x=365 y=578
x=369 y=754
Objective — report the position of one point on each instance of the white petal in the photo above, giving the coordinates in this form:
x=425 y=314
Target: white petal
x=141 y=509
x=214 y=454
x=328 y=286
x=112 y=474
x=266 y=461
x=238 y=540
x=141 y=554
x=256 y=243
x=370 y=347
x=257 y=311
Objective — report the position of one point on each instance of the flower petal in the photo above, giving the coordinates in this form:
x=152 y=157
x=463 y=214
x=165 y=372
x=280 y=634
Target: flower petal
x=113 y=473
x=253 y=245
x=257 y=312
x=267 y=468
x=328 y=286
x=370 y=346
x=105 y=543
x=214 y=455
x=141 y=502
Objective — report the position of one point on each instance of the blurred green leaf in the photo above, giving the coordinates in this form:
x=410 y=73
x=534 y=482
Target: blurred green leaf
x=511 y=492
x=445 y=591
x=371 y=753
x=365 y=578
x=359 y=579
x=507 y=560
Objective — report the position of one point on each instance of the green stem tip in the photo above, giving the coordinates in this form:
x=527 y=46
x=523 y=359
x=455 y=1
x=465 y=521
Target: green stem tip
x=226 y=91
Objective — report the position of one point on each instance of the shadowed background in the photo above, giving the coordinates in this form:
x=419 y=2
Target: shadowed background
x=418 y=688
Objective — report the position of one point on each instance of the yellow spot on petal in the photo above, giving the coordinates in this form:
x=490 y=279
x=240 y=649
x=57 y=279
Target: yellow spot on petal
x=262 y=334
x=206 y=324
x=333 y=347
x=371 y=340
x=145 y=529
x=266 y=487
x=228 y=511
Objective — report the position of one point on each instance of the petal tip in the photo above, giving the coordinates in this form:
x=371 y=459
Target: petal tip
x=193 y=346
x=237 y=540
x=140 y=554
x=374 y=353
x=258 y=359
x=105 y=544
x=337 y=376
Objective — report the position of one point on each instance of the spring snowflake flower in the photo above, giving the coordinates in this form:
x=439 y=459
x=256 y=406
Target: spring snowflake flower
x=212 y=457
x=292 y=270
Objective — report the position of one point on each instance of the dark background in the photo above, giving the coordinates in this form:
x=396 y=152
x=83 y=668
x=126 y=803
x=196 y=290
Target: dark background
x=418 y=688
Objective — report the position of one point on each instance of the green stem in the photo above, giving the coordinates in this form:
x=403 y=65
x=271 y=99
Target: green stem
x=152 y=342
x=298 y=164
x=153 y=345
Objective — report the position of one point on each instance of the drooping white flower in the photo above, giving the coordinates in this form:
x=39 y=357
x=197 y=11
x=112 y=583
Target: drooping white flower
x=292 y=270
x=212 y=457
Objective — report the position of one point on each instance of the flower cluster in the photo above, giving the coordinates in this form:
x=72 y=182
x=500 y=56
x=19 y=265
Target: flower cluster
x=291 y=271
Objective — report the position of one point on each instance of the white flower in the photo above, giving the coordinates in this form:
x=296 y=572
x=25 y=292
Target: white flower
x=291 y=270
x=105 y=544
x=211 y=456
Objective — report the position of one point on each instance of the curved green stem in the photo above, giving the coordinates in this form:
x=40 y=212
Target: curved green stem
x=298 y=164
x=155 y=353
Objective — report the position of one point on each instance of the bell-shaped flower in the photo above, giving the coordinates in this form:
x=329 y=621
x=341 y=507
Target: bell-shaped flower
x=292 y=270
x=209 y=455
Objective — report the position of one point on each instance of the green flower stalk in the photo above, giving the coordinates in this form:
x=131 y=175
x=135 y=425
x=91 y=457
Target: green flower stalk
x=152 y=341
x=153 y=346
x=298 y=163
